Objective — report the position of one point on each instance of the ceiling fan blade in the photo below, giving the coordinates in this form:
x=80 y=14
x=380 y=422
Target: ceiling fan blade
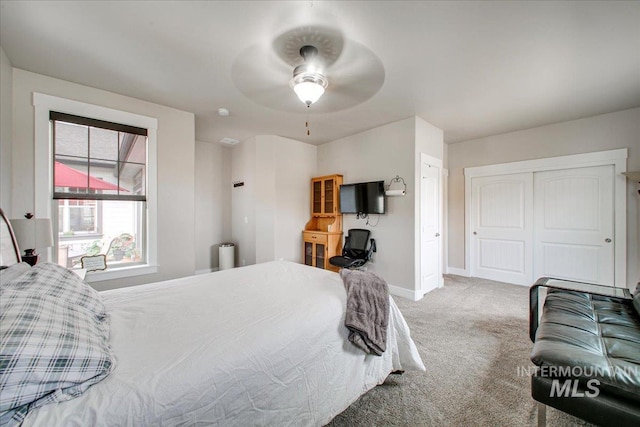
x=263 y=71
x=357 y=76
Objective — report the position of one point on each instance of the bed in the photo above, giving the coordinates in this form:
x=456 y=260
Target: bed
x=258 y=345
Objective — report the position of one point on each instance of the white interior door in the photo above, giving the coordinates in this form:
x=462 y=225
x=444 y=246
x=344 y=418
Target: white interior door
x=574 y=224
x=502 y=228
x=431 y=241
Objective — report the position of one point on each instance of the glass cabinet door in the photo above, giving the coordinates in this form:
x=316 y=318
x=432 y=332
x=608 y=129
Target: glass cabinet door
x=308 y=253
x=317 y=197
x=328 y=196
x=320 y=250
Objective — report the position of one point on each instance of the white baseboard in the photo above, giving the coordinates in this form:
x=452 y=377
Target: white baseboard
x=205 y=271
x=457 y=271
x=405 y=293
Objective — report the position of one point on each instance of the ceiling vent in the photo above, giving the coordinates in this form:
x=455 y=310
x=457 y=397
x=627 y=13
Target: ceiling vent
x=229 y=141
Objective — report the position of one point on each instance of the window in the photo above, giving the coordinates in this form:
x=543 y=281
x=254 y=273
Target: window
x=45 y=206
x=99 y=189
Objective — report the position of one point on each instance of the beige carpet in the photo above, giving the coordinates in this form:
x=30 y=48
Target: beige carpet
x=473 y=338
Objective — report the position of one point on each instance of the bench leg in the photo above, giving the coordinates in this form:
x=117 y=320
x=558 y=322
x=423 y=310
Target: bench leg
x=542 y=414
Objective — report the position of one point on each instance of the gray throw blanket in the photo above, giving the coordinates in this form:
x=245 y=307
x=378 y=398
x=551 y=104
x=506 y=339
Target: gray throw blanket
x=367 y=313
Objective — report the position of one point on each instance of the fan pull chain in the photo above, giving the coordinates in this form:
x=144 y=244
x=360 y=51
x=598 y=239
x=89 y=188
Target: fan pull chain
x=306 y=123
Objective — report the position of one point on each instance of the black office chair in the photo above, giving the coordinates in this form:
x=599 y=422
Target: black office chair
x=355 y=253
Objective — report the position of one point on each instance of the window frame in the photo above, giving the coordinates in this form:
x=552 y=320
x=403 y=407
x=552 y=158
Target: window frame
x=56 y=116
x=43 y=153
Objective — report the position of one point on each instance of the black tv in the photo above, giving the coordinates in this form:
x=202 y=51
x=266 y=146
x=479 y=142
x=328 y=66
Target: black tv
x=362 y=198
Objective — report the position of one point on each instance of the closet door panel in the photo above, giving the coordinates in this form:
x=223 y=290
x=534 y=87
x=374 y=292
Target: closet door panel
x=502 y=228
x=574 y=229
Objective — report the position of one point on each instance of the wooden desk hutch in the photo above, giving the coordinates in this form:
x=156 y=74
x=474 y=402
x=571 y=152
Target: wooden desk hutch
x=322 y=236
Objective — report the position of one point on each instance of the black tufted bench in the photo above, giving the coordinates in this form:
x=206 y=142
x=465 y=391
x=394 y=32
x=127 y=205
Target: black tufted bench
x=587 y=352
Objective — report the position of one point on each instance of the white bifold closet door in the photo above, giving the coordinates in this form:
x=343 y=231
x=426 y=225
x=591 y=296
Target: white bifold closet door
x=573 y=224
x=555 y=223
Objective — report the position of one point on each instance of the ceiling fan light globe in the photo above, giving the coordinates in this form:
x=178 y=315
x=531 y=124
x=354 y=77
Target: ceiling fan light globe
x=308 y=92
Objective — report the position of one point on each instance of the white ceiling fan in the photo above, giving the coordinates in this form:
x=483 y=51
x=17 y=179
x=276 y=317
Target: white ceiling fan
x=311 y=60
x=309 y=81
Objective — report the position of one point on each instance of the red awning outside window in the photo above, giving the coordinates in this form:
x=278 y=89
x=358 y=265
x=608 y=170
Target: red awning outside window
x=66 y=176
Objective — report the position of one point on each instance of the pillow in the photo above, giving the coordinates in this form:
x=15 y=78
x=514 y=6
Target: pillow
x=53 y=344
x=55 y=280
x=13 y=272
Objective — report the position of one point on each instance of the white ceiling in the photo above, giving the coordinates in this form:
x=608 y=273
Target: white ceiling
x=471 y=68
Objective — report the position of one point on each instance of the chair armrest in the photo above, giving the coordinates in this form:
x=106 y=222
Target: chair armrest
x=567 y=285
x=372 y=248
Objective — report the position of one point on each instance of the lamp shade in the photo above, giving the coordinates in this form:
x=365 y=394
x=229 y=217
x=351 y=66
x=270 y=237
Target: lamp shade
x=33 y=233
x=308 y=92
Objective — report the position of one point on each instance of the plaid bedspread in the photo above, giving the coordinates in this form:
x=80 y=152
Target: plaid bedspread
x=54 y=340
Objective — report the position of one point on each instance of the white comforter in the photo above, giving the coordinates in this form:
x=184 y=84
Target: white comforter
x=258 y=345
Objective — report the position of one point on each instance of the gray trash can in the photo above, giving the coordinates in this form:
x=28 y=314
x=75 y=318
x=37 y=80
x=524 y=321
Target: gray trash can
x=226 y=256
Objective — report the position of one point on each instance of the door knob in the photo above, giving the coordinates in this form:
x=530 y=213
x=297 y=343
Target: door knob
x=475 y=234
x=437 y=234
x=608 y=240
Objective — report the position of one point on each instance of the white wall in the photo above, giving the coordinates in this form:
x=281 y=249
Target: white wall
x=243 y=209
x=6 y=83
x=605 y=132
x=295 y=165
x=381 y=154
x=270 y=211
x=266 y=198
x=212 y=203
x=429 y=140
x=175 y=167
